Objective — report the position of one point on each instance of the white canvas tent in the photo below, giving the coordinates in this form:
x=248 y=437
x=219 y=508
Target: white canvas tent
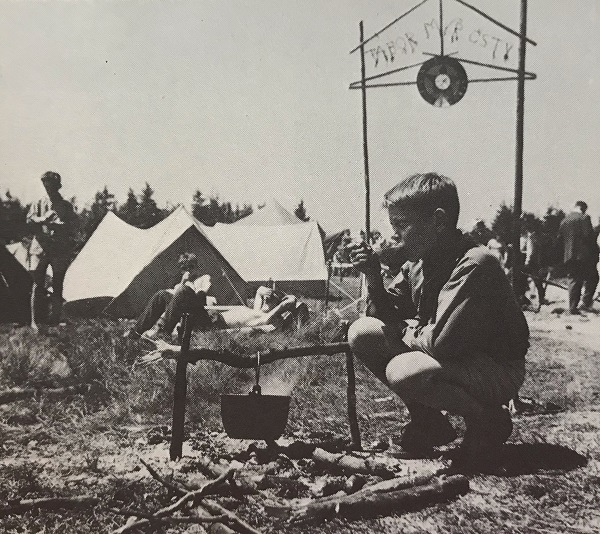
x=121 y=266
x=289 y=254
x=271 y=214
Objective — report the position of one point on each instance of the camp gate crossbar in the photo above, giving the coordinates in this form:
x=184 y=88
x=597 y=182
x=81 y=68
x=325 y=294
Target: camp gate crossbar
x=185 y=358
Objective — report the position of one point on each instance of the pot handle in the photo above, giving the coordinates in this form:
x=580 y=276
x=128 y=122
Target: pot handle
x=256 y=388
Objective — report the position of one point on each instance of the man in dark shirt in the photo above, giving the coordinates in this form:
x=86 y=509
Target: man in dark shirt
x=464 y=351
x=580 y=256
x=55 y=225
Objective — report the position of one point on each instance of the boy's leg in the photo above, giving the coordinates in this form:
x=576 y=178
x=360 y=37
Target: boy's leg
x=589 y=286
x=38 y=289
x=574 y=283
x=185 y=299
x=475 y=388
x=59 y=270
x=376 y=345
x=154 y=309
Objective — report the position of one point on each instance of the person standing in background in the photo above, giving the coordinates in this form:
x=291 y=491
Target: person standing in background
x=54 y=223
x=580 y=256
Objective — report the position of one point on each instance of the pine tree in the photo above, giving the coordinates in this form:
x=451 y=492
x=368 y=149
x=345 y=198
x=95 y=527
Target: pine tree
x=503 y=223
x=12 y=218
x=148 y=211
x=300 y=212
x=104 y=201
x=129 y=210
x=202 y=210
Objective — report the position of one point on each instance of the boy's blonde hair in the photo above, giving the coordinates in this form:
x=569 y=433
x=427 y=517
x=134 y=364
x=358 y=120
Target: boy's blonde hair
x=425 y=193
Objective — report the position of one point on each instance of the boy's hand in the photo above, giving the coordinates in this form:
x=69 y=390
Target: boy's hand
x=363 y=258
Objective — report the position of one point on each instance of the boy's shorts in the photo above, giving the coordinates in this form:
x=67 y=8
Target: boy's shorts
x=490 y=380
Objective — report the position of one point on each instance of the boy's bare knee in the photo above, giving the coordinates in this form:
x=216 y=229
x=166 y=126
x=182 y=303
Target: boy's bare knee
x=410 y=374
x=364 y=334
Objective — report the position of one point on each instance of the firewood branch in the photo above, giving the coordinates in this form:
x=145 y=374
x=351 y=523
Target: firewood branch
x=362 y=505
x=49 y=503
x=348 y=464
x=189 y=497
x=153 y=519
x=15 y=394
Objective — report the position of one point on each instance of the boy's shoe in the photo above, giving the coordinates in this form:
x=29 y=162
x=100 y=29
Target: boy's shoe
x=156 y=333
x=420 y=436
x=481 y=449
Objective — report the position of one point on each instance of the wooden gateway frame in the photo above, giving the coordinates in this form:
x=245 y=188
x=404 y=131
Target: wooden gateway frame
x=507 y=74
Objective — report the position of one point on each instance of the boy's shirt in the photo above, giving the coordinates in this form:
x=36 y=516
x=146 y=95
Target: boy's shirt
x=58 y=236
x=463 y=301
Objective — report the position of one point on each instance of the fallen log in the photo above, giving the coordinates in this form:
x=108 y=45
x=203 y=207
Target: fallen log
x=351 y=465
x=49 y=503
x=367 y=505
x=15 y=394
x=394 y=484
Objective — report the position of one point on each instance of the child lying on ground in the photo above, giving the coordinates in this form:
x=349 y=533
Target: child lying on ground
x=466 y=355
x=166 y=307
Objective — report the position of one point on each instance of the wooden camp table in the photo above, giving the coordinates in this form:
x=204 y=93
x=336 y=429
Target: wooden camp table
x=269 y=356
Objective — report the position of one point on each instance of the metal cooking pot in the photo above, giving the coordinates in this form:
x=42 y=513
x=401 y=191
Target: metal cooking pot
x=255 y=416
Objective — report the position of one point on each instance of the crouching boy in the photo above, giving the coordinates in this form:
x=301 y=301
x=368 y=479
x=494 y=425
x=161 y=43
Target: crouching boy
x=466 y=352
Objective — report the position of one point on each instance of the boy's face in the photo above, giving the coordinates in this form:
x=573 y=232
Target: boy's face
x=415 y=232
x=52 y=187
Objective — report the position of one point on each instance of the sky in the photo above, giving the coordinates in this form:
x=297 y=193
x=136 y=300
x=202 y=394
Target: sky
x=250 y=101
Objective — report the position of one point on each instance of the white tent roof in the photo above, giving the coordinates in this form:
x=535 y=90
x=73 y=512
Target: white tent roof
x=273 y=213
x=284 y=252
x=120 y=259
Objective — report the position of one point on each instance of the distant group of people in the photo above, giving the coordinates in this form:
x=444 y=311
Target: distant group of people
x=574 y=251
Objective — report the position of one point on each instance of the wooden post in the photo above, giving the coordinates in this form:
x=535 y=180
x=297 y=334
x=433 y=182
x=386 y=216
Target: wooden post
x=180 y=390
x=365 y=146
x=518 y=203
x=351 y=400
x=327 y=285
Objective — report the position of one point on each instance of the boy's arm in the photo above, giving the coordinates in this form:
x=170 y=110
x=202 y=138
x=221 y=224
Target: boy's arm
x=390 y=308
x=467 y=313
x=393 y=304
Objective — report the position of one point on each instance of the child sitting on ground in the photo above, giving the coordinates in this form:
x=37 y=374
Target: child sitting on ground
x=165 y=308
x=466 y=354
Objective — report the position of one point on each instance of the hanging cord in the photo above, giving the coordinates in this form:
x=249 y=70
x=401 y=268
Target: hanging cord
x=256 y=389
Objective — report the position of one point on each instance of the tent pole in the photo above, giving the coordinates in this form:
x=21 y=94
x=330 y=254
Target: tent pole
x=365 y=145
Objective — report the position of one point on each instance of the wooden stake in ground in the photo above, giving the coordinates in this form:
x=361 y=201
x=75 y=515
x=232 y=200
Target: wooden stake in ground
x=180 y=390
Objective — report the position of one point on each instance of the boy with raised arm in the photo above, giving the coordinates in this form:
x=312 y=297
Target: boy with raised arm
x=466 y=352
